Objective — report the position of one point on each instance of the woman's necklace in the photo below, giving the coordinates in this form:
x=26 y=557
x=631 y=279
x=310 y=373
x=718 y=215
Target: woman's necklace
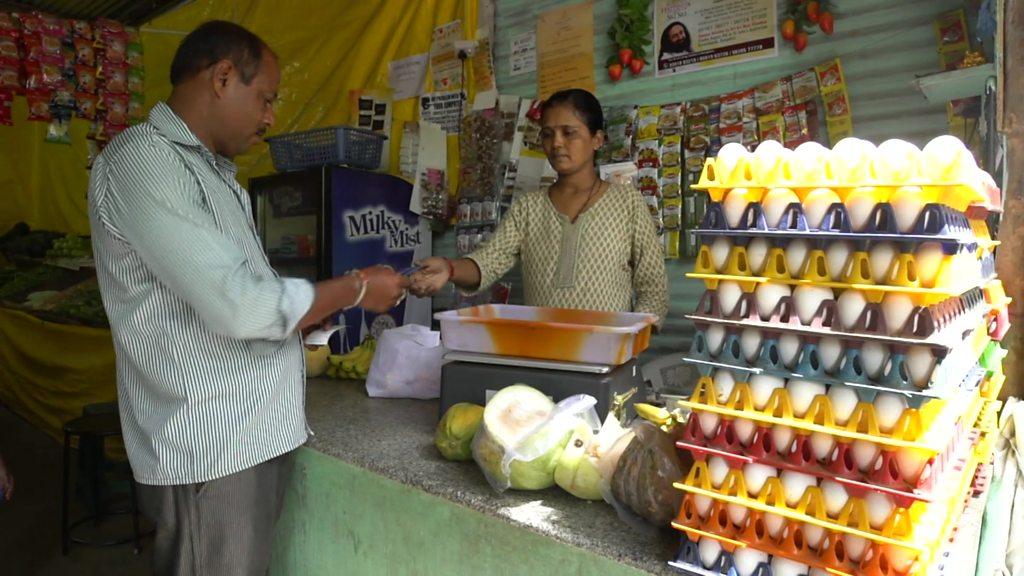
x=590 y=196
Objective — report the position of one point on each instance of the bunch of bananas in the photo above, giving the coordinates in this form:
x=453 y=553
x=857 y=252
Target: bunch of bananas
x=354 y=365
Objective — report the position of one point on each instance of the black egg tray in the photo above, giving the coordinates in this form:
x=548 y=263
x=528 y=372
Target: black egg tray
x=953 y=371
x=936 y=223
x=940 y=325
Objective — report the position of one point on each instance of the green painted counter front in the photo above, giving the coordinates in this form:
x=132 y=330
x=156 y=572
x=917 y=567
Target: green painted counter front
x=370 y=494
x=343 y=519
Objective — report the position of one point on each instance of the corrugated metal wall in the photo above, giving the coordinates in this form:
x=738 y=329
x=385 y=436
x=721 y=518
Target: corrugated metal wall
x=882 y=44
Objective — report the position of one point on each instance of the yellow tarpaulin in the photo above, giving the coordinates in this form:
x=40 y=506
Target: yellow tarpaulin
x=50 y=371
x=326 y=48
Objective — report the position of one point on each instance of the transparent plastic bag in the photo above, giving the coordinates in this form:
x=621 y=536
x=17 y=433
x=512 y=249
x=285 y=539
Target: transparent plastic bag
x=641 y=487
x=527 y=461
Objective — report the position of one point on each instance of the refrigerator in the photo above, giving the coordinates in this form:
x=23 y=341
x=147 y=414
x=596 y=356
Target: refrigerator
x=323 y=222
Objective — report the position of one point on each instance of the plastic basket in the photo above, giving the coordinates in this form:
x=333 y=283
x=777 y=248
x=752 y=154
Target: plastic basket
x=331 y=145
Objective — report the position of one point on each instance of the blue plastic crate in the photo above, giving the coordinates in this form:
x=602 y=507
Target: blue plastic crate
x=331 y=145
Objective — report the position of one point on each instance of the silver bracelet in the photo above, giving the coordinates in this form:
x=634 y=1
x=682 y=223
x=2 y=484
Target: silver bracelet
x=363 y=283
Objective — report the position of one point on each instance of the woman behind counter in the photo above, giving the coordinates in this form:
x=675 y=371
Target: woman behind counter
x=585 y=243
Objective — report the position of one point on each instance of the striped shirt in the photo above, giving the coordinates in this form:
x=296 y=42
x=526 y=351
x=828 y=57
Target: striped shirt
x=210 y=368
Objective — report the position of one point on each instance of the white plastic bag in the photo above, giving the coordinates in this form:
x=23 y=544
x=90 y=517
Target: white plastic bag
x=407 y=364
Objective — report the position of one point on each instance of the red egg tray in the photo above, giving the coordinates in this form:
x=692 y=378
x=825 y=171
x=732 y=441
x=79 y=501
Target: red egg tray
x=883 y=473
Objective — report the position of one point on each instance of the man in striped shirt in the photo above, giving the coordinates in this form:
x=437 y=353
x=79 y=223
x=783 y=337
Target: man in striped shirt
x=210 y=370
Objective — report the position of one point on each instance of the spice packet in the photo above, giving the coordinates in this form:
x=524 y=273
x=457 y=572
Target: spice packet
x=648 y=182
x=830 y=76
x=38 y=105
x=86 y=104
x=648 y=154
x=768 y=98
x=6 y=102
x=671 y=182
x=805 y=86
x=647 y=121
x=671 y=150
x=673 y=213
x=671 y=120
x=836 y=104
x=771 y=127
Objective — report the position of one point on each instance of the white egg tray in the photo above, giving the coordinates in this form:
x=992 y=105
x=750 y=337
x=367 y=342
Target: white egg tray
x=936 y=223
x=952 y=371
x=940 y=325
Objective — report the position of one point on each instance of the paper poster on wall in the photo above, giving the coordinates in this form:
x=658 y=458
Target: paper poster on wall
x=371 y=110
x=406 y=76
x=524 y=53
x=443 y=109
x=483 y=76
x=699 y=34
x=445 y=66
x=565 y=49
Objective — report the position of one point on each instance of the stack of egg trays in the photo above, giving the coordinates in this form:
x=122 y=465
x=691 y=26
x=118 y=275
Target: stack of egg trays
x=937 y=324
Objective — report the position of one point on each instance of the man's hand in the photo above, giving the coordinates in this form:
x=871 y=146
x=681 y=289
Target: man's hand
x=385 y=288
x=313 y=328
x=434 y=273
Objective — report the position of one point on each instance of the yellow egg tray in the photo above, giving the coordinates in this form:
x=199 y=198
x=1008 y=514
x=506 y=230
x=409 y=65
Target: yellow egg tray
x=902 y=276
x=928 y=429
x=921 y=527
x=957 y=193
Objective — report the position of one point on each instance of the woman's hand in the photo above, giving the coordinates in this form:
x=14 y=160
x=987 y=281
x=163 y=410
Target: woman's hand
x=434 y=273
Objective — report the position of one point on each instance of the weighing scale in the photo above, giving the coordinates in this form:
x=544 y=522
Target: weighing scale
x=473 y=377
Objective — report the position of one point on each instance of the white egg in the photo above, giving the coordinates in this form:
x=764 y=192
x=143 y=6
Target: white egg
x=755 y=475
x=844 y=401
x=835 y=497
x=822 y=446
x=813 y=535
x=900 y=558
x=717 y=468
x=729 y=157
x=802 y=393
x=735 y=204
x=724 y=383
x=907 y=203
x=837 y=255
x=880 y=258
x=709 y=550
x=720 y=249
x=807 y=164
x=911 y=463
x=766 y=158
x=737 y=514
x=855 y=546
x=715 y=335
x=851 y=304
x=703 y=505
x=851 y=160
x=768 y=296
x=817 y=203
x=928 y=259
x=896 y=162
x=946 y=159
x=879 y=507
x=785 y=567
x=744 y=429
x=750 y=343
x=860 y=203
x=775 y=203
x=782 y=437
x=807 y=300
x=747 y=559
x=789 y=347
x=796 y=257
x=761 y=388
x=897 y=309
x=709 y=423
x=889 y=408
x=757 y=252
x=774 y=523
x=864 y=454
x=920 y=364
x=830 y=350
x=729 y=294
x=794 y=484
x=873 y=357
